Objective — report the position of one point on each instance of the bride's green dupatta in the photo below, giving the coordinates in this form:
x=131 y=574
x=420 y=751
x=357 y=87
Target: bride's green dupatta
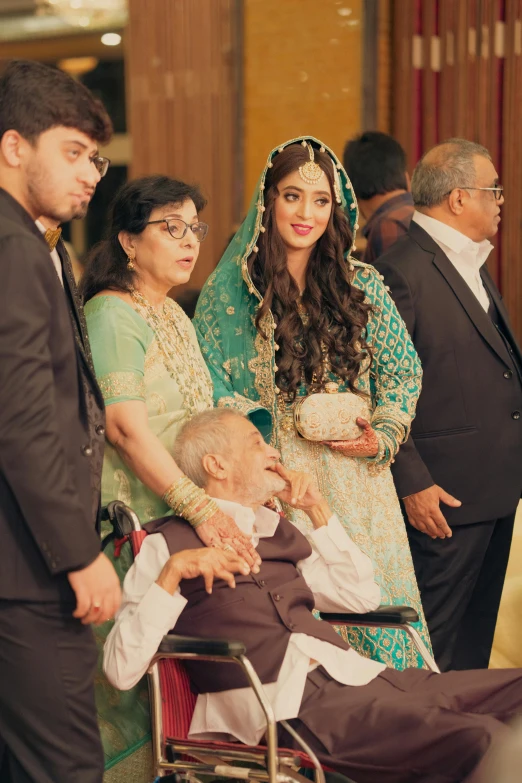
x=229 y=302
x=242 y=362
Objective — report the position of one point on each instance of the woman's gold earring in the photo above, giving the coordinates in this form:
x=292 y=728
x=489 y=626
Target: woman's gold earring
x=130 y=264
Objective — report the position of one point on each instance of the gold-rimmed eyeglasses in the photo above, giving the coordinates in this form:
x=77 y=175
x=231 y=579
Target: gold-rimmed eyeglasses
x=177 y=228
x=498 y=190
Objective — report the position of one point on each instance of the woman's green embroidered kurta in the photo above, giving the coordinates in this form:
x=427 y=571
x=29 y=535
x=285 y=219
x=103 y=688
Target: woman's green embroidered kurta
x=130 y=365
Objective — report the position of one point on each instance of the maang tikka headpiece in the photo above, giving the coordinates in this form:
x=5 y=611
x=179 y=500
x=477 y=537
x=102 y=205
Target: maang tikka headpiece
x=310 y=171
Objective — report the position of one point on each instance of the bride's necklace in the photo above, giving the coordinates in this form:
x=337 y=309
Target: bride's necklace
x=183 y=362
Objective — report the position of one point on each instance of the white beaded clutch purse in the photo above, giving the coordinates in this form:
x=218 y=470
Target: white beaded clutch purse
x=330 y=415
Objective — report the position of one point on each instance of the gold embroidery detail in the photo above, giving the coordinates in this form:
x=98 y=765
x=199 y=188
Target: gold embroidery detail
x=123 y=492
x=157 y=402
x=181 y=358
x=262 y=364
x=154 y=364
x=241 y=404
x=122 y=384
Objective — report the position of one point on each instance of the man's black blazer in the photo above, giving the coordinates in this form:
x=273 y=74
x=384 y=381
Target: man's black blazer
x=467 y=434
x=46 y=522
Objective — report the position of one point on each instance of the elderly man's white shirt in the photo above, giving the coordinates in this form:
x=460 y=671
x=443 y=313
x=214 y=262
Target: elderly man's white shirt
x=337 y=572
x=467 y=256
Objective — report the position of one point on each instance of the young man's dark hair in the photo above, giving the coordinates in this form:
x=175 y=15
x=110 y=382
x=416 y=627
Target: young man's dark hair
x=375 y=163
x=35 y=97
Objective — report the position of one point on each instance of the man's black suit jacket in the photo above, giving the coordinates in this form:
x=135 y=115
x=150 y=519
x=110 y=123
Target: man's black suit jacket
x=467 y=433
x=47 y=525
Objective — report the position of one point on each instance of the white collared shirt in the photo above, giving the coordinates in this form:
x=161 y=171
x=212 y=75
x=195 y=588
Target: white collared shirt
x=341 y=579
x=466 y=255
x=54 y=254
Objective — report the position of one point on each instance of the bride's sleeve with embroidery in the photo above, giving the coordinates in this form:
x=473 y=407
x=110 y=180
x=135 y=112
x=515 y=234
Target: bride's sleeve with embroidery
x=395 y=372
x=221 y=367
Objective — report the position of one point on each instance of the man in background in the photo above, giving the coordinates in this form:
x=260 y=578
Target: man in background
x=376 y=165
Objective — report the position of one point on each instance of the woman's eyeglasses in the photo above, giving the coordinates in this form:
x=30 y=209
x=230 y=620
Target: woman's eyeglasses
x=178 y=228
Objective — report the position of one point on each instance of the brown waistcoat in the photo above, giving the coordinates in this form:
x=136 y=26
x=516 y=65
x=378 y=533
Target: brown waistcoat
x=262 y=612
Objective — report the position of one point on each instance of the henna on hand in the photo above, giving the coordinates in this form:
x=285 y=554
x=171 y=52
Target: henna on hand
x=221 y=531
x=366 y=445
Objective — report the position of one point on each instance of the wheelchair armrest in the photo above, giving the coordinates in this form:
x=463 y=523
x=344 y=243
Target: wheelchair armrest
x=394 y=615
x=216 y=648
x=122 y=518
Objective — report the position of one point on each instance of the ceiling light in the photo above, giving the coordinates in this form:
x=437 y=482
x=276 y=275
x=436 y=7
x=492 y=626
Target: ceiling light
x=86 y=13
x=111 y=39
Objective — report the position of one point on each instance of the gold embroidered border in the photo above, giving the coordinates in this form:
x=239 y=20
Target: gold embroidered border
x=241 y=404
x=262 y=364
x=122 y=384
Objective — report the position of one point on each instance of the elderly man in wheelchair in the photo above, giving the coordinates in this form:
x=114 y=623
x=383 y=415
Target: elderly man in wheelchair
x=358 y=718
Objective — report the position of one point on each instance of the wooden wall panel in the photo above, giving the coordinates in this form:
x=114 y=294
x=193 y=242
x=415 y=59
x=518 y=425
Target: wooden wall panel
x=405 y=61
x=474 y=90
x=430 y=74
x=302 y=74
x=510 y=261
x=182 y=61
x=385 y=85
x=447 y=83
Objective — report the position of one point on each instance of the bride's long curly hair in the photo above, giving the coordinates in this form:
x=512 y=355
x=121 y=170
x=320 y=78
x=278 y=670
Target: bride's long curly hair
x=337 y=314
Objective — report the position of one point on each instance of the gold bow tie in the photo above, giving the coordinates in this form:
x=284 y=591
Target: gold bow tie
x=52 y=236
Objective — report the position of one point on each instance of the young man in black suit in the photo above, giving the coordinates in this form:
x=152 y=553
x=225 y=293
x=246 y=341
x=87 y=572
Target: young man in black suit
x=459 y=475
x=54 y=581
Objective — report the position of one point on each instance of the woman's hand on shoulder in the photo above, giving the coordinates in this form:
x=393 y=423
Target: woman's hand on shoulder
x=221 y=531
x=366 y=445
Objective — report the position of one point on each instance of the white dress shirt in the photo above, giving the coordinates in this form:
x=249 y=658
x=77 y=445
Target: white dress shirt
x=54 y=254
x=466 y=255
x=341 y=579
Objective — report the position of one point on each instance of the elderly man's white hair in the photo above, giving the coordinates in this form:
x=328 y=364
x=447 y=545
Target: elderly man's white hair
x=207 y=433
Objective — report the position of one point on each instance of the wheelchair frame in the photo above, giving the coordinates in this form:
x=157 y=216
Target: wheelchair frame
x=213 y=757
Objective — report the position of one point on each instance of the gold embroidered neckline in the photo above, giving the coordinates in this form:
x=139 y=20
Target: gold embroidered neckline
x=183 y=362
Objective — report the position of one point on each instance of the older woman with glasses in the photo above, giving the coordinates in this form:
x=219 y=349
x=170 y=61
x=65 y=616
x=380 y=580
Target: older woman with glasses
x=153 y=377
x=146 y=355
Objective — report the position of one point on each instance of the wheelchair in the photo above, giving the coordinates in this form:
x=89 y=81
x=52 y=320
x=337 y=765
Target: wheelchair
x=172 y=701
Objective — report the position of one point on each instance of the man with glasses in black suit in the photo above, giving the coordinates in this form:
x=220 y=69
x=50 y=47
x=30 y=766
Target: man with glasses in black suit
x=459 y=475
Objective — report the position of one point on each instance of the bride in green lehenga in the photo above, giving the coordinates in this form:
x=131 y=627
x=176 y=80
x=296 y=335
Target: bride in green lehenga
x=288 y=309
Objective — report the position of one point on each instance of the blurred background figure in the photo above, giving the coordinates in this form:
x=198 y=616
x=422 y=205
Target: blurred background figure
x=188 y=300
x=376 y=165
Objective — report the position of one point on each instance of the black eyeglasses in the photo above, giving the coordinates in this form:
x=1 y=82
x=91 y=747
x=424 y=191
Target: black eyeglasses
x=498 y=190
x=102 y=164
x=178 y=228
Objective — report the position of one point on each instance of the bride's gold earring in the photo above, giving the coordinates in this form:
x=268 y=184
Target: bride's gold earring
x=130 y=264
